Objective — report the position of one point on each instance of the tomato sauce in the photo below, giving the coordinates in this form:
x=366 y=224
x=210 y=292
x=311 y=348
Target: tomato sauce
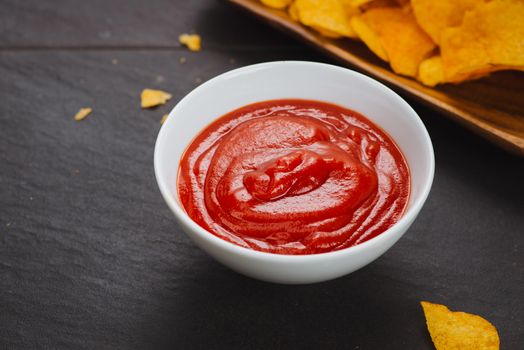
x=294 y=177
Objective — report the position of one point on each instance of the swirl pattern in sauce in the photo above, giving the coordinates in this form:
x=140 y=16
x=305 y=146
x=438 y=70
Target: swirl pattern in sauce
x=294 y=177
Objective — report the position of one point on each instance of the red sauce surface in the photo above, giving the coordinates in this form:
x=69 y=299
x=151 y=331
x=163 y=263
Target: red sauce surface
x=294 y=177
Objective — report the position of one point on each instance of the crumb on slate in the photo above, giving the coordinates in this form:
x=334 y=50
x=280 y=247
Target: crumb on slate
x=151 y=98
x=82 y=113
x=192 y=41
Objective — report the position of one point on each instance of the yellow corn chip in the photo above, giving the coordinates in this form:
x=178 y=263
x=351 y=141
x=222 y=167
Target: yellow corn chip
x=459 y=330
x=328 y=16
x=401 y=39
x=351 y=8
x=436 y=15
x=277 y=4
x=403 y=2
x=357 y=3
x=151 y=98
x=192 y=41
x=369 y=36
x=293 y=12
x=326 y=32
x=490 y=38
x=82 y=113
x=378 y=4
x=163 y=119
x=431 y=71
x=350 y=11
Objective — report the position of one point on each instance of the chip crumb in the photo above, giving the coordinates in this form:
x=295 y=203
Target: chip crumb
x=198 y=80
x=232 y=60
x=82 y=113
x=151 y=98
x=8 y=224
x=164 y=118
x=459 y=330
x=114 y=61
x=76 y=172
x=159 y=78
x=182 y=60
x=192 y=41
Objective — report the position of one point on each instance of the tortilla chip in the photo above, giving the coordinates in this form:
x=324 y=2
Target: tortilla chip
x=328 y=16
x=293 y=12
x=436 y=15
x=358 y=3
x=490 y=38
x=192 y=41
x=401 y=39
x=277 y=4
x=378 y=4
x=151 y=98
x=431 y=71
x=326 y=32
x=369 y=36
x=82 y=114
x=459 y=330
x=403 y=2
x=163 y=119
x=351 y=8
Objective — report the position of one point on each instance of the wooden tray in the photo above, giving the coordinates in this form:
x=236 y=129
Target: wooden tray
x=492 y=107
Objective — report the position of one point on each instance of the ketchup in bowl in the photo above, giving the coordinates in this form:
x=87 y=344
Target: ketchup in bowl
x=294 y=177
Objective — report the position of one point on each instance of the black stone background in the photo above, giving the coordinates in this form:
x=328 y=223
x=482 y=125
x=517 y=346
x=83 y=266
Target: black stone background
x=91 y=257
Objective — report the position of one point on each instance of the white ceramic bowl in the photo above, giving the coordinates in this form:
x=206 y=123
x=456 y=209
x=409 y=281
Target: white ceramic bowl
x=305 y=80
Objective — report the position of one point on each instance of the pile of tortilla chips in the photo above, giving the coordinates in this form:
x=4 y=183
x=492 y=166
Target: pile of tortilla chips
x=434 y=41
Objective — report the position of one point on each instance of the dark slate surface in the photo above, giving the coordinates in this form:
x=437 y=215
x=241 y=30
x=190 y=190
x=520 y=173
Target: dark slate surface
x=129 y=24
x=91 y=258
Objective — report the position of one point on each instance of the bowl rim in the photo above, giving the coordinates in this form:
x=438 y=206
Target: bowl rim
x=180 y=214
